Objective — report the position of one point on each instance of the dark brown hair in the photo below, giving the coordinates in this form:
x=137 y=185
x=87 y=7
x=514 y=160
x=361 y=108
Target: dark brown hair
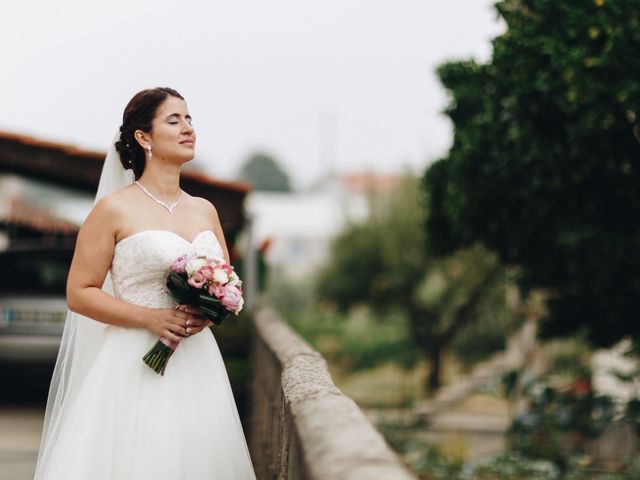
x=138 y=114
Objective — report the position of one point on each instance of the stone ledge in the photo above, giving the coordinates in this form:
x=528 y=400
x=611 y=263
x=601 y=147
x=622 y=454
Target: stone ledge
x=333 y=436
x=341 y=443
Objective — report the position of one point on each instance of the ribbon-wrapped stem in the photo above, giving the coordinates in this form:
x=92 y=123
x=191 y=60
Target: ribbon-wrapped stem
x=159 y=355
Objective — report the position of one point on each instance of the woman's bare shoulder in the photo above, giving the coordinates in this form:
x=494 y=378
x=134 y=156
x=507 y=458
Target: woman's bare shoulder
x=210 y=214
x=111 y=208
x=204 y=206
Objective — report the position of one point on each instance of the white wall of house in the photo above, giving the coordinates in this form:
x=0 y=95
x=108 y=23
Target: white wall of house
x=301 y=225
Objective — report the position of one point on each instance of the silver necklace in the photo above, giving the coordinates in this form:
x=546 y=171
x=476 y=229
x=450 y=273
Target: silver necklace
x=169 y=208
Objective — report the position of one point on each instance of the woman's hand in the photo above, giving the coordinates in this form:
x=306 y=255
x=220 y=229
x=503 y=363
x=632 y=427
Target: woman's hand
x=170 y=323
x=198 y=321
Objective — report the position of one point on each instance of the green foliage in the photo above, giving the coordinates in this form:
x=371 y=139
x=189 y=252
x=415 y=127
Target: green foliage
x=426 y=459
x=430 y=463
x=559 y=418
x=358 y=342
x=380 y=262
x=447 y=287
x=482 y=338
x=353 y=341
x=511 y=466
x=514 y=467
x=559 y=410
x=293 y=299
x=383 y=263
x=347 y=279
x=264 y=173
x=544 y=165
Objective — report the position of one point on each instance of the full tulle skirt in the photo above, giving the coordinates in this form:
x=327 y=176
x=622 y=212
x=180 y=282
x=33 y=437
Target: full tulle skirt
x=129 y=423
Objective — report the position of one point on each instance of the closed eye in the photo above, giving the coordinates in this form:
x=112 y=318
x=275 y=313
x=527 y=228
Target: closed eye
x=173 y=119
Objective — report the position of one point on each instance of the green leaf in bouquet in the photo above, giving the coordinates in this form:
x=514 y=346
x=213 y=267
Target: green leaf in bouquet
x=216 y=316
x=212 y=308
x=177 y=282
x=180 y=290
x=209 y=301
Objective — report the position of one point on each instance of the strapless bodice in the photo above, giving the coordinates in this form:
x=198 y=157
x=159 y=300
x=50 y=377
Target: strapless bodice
x=141 y=263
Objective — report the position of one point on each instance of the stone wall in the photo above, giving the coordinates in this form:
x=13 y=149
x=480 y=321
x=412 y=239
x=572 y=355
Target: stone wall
x=301 y=426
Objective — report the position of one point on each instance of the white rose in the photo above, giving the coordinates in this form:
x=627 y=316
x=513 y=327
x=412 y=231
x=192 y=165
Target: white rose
x=220 y=276
x=234 y=280
x=194 y=264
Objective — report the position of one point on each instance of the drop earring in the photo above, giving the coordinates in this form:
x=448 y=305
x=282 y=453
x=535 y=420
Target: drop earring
x=149 y=150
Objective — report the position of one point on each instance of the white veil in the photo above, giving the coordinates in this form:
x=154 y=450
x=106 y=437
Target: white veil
x=82 y=336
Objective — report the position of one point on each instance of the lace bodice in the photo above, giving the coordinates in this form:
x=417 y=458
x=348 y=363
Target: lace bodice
x=141 y=263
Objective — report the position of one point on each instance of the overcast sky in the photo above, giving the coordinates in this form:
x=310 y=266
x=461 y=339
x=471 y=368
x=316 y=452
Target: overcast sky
x=347 y=85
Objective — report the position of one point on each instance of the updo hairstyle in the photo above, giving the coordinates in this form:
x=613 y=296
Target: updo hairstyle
x=138 y=114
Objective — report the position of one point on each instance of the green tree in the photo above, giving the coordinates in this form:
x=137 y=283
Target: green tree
x=544 y=167
x=383 y=263
x=264 y=173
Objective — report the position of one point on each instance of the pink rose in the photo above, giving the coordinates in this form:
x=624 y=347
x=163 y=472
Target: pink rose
x=227 y=268
x=216 y=290
x=197 y=280
x=180 y=263
x=232 y=298
x=206 y=271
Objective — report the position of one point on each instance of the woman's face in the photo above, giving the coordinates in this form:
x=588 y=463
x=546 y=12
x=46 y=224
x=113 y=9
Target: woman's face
x=172 y=135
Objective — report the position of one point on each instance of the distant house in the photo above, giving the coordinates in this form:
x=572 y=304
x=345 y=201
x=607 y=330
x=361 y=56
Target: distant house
x=47 y=189
x=299 y=226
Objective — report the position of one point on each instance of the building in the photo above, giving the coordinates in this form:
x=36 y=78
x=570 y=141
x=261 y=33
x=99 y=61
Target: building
x=299 y=226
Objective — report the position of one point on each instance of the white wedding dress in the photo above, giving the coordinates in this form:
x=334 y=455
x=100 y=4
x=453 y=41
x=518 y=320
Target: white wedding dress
x=128 y=422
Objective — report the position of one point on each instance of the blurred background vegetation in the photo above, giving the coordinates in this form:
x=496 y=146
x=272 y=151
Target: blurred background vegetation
x=532 y=217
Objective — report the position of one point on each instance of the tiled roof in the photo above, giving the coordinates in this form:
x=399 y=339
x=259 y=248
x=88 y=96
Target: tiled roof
x=369 y=182
x=92 y=162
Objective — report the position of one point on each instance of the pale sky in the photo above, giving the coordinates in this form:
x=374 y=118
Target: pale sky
x=347 y=85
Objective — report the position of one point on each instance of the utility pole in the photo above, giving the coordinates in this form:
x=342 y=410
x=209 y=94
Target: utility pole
x=327 y=145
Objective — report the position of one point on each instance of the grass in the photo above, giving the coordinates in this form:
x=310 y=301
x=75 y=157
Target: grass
x=387 y=385
x=356 y=341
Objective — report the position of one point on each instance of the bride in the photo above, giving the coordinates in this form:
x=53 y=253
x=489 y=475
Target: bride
x=109 y=415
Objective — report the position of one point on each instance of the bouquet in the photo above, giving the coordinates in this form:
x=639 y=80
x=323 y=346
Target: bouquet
x=208 y=284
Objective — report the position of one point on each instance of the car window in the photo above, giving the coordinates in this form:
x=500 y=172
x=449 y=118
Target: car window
x=44 y=272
